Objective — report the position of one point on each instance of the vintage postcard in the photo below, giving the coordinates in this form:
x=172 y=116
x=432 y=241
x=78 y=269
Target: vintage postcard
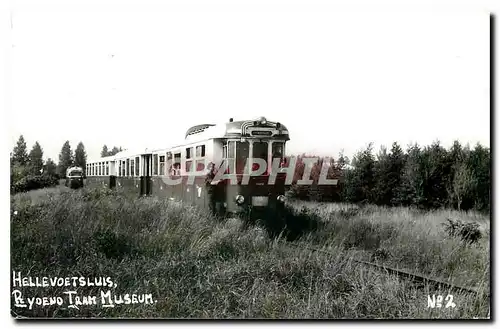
x=249 y=162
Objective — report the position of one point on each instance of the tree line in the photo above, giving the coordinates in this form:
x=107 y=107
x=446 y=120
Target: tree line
x=427 y=177
x=30 y=171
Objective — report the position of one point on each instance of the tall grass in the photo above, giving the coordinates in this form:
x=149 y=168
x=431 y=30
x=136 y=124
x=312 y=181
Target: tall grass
x=198 y=266
x=407 y=239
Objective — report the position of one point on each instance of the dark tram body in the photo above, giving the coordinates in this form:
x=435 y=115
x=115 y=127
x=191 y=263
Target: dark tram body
x=232 y=168
x=74 y=177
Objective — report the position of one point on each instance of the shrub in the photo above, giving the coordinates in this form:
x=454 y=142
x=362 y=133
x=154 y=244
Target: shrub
x=468 y=232
x=33 y=182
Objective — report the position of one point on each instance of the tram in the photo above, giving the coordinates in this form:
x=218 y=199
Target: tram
x=74 y=177
x=236 y=168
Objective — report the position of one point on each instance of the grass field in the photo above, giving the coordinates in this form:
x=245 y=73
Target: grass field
x=197 y=266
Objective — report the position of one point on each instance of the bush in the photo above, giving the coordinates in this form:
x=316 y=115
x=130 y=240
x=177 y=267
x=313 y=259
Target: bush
x=468 y=232
x=33 y=182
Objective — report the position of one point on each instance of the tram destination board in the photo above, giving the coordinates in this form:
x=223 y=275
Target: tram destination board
x=262 y=133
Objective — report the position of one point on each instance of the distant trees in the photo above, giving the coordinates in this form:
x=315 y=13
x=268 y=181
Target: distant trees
x=20 y=155
x=35 y=159
x=65 y=159
x=114 y=150
x=464 y=183
x=316 y=191
x=104 y=152
x=50 y=167
x=23 y=164
x=479 y=162
x=28 y=170
x=426 y=177
x=342 y=161
x=360 y=182
x=429 y=177
x=19 y=160
x=410 y=191
x=80 y=156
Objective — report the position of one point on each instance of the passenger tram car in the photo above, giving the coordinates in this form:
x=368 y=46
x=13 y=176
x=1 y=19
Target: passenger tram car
x=186 y=172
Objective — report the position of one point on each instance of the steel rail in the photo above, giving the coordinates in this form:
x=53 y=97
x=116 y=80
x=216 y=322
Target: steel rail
x=402 y=274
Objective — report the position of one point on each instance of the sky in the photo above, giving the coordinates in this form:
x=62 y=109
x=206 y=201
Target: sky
x=337 y=79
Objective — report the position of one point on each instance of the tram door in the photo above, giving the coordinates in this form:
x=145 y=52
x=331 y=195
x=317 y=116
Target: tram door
x=146 y=185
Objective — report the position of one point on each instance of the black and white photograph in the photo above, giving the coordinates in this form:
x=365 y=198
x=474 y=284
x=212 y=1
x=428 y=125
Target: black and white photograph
x=248 y=161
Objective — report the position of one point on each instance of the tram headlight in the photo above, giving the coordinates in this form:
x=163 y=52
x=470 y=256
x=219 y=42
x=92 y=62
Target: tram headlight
x=240 y=199
x=281 y=198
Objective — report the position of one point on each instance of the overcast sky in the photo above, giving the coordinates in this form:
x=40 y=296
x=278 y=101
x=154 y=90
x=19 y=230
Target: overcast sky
x=337 y=80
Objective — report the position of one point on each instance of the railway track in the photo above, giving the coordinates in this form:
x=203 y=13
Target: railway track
x=423 y=281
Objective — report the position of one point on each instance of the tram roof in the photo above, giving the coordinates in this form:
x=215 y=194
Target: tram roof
x=229 y=129
x=202 y=132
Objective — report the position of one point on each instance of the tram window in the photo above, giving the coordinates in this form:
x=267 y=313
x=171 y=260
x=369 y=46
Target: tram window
x=162 y=165
x=100 y=168
x=127 y=168
x=278 y=150
x=242 y=153
x=132 y=167
x=137 y=166
x=124 y=169
x=169 y=165
x=119 y=168
x=155 y=164
x=231 y=152
x=189 y=152
x=224 y=151
x=107 y=168
x=189 y=165
x=200 y=151
x=176 y=169
x=177 y=164
x=231 y=149
x=260 y=150
x=200 y=165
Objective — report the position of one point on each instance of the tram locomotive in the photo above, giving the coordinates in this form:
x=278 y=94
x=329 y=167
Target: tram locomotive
x=74 y=177
x=250 y=154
